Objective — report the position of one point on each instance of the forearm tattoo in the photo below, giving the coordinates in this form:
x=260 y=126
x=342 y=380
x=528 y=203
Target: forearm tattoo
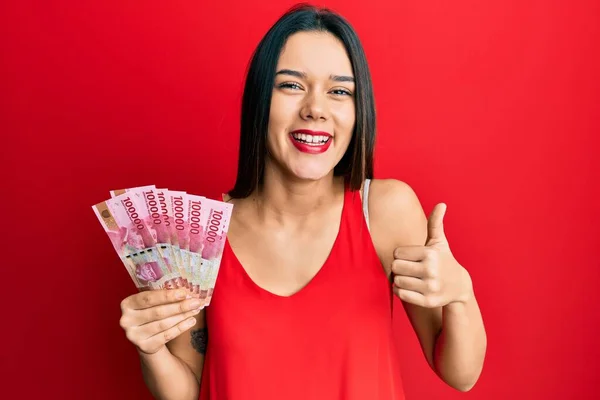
x=200 y=340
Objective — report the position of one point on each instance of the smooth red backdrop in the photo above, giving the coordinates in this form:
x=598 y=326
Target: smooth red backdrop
x=491 y=107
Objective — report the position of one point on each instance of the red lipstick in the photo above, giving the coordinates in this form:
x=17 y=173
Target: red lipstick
x=311 y=142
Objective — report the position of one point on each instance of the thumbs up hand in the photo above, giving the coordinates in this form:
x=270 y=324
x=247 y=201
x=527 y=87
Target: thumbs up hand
x=429 y=276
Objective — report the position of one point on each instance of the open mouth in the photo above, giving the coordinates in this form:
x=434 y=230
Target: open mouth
x=311 y=140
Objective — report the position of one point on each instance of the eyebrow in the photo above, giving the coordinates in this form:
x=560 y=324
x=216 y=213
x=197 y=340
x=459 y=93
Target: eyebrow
x=299 y=74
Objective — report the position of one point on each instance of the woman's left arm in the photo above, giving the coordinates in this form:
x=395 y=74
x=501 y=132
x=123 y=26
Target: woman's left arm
x=436 y=291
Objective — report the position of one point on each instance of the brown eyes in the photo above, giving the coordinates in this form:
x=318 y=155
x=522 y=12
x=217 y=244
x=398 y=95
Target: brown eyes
x=290 y=86
x=295 y=86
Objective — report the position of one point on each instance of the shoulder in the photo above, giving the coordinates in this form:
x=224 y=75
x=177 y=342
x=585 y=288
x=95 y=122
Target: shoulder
x=396 y=216
x=392 y=193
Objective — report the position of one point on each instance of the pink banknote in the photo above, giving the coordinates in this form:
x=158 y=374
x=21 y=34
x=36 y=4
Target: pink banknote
x=128 y=225
x=169 y=222
x=177 y=209
x=196 y=223
x=215 y=233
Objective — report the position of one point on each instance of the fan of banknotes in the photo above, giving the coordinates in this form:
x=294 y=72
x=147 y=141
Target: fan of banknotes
x=167 y=239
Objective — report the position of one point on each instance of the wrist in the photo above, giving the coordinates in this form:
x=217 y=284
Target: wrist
x=150 y=357
x=465 y=292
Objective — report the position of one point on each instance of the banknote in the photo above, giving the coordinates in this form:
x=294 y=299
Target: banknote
x=169 y=222
x=213 y=243
x=197 y=217
x=177 y=209
x=158 y=225
x=127 y=224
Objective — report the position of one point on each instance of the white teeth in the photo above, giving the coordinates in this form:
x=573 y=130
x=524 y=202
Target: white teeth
x=310 y=139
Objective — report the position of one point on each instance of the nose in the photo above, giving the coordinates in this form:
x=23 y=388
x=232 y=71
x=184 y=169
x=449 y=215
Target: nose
x=314 y=107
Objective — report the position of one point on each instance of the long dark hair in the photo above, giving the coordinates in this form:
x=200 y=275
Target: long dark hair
x=357 y=163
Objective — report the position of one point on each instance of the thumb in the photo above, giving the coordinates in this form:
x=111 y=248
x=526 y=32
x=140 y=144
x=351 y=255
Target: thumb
x=435 y=225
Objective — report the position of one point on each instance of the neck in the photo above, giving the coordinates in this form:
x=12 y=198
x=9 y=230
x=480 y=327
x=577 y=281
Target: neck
x=282 y=197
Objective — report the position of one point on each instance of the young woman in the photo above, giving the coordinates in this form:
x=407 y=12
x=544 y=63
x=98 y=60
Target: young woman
x=316 y=250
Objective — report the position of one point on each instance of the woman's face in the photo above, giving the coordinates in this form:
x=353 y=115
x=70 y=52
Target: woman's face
x=312 y=109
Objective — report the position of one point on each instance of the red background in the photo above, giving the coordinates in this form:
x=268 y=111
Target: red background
x=491 y=107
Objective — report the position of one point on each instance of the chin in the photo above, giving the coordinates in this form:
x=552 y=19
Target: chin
x=311 y=173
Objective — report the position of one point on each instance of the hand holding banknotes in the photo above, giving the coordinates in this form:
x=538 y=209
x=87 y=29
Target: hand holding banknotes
x=166 y=239
x=152 y=318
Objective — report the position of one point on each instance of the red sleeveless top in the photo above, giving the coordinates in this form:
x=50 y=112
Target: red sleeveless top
x=331 y=340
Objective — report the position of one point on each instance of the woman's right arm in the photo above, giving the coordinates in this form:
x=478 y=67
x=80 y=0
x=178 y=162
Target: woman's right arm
x=159 y=324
